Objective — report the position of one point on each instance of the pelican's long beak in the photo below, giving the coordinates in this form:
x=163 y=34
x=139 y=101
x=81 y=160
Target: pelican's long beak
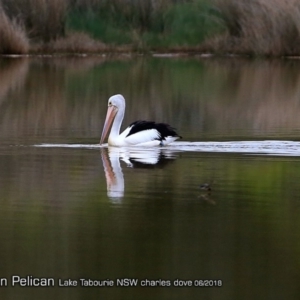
x=110 y=115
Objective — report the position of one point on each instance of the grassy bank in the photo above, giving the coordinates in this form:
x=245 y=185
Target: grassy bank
x=257 y=27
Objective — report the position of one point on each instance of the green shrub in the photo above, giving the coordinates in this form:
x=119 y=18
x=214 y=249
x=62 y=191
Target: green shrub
x=191 y=23
x=139 y=22
x=98 y=26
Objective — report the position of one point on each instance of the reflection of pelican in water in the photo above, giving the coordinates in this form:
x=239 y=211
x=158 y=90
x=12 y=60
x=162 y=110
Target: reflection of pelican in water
x=134 y=158
x=139 y=133
x=114 y=176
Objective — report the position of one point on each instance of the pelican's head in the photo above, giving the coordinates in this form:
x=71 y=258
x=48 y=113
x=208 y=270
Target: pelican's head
x=116 y=103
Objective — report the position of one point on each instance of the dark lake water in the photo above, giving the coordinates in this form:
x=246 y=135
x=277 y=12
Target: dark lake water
x=85 y=212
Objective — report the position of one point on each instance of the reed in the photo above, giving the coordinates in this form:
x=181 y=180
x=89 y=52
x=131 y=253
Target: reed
x=259 y=27
x=13 y=39
x=43 y=19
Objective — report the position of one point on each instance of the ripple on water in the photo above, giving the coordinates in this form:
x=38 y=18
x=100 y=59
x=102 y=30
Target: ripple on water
x=270 y=147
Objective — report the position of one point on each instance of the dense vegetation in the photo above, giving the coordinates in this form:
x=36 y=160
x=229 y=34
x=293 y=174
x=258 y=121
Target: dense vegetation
x=257 y=27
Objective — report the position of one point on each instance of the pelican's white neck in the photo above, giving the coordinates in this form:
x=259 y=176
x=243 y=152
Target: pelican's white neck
x=115 y=129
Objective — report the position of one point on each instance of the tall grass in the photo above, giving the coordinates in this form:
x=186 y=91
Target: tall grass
x=44 y=19
x=259 y=27
x=13 y=39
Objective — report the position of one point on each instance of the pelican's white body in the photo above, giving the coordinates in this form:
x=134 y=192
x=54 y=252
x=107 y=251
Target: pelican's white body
x=146 y=138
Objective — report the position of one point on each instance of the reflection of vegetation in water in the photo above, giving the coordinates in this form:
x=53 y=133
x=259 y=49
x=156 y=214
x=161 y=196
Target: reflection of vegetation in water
x=203 y=99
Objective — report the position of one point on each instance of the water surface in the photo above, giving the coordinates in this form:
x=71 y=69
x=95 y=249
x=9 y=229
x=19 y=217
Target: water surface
x=98 y=213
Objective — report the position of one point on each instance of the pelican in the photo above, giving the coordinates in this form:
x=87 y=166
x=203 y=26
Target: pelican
x=139 y=133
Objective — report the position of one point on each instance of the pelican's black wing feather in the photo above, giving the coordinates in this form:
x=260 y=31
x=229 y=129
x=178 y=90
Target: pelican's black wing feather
x=163 y=129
